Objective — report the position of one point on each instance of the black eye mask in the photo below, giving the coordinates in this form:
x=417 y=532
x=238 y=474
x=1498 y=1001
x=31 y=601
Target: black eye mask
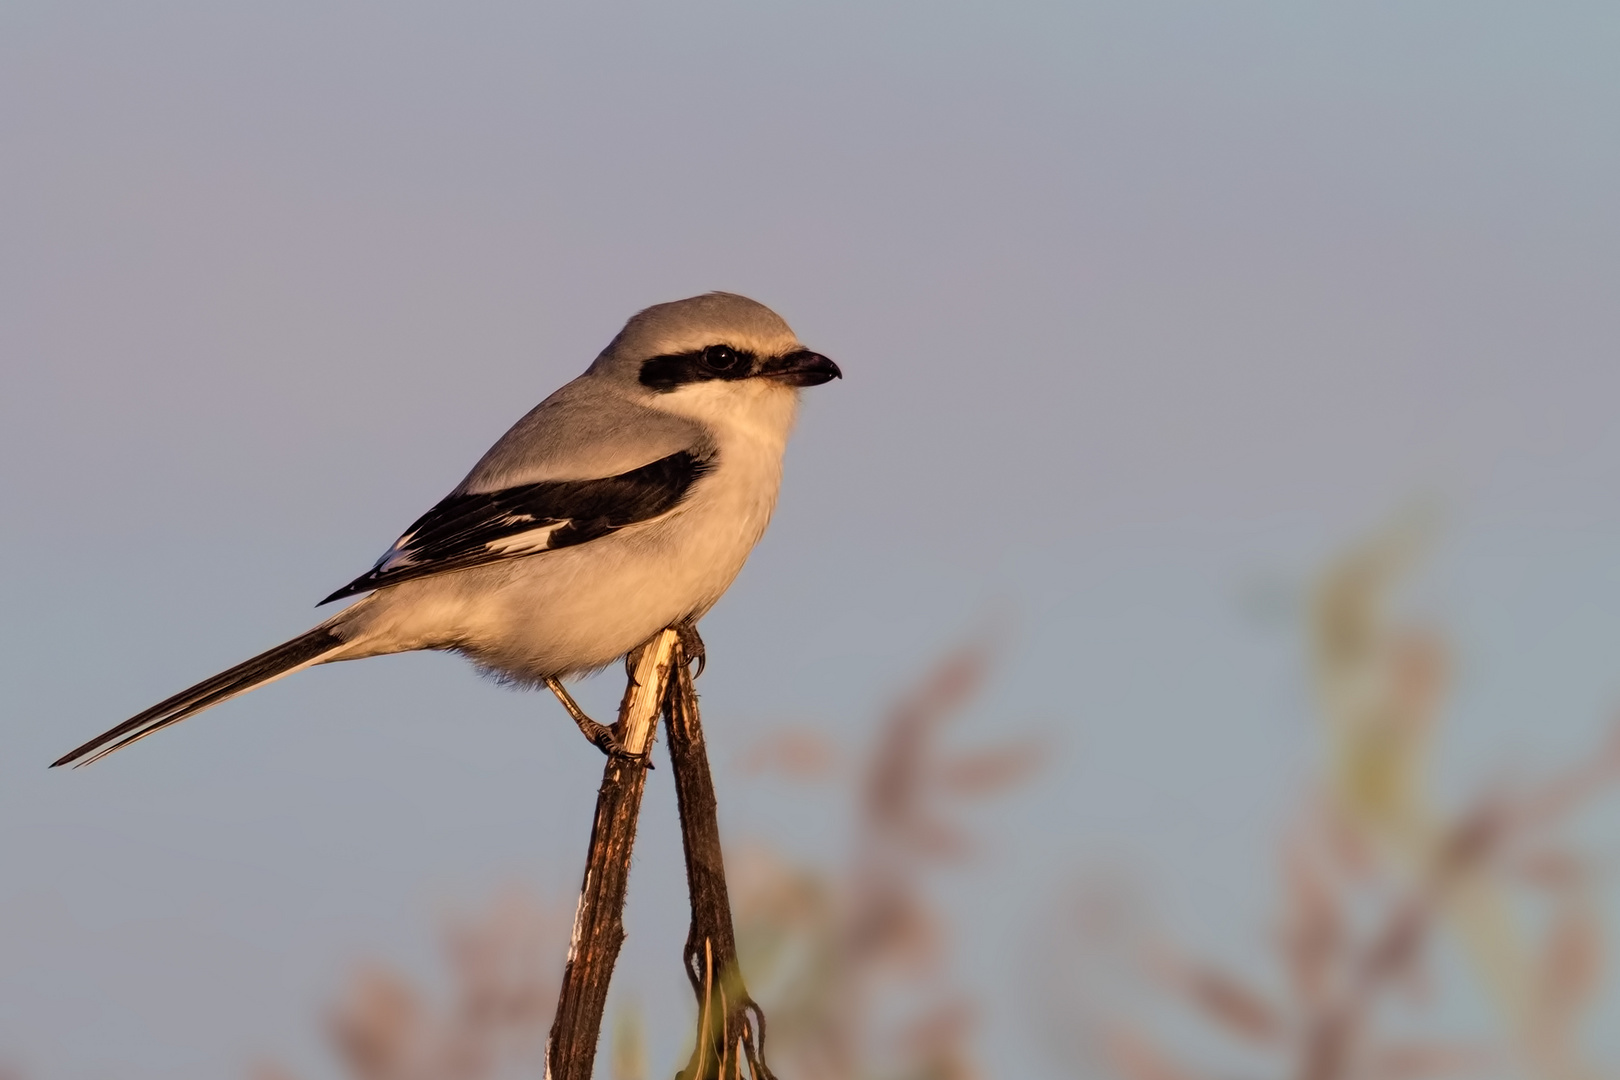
x=665 y=373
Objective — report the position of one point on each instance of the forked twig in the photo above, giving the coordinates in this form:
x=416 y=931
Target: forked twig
x=731 y=1027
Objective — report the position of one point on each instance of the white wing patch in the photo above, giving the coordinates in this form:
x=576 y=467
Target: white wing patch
x=525 y=543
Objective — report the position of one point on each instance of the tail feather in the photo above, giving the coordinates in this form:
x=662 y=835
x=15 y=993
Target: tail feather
x=284 y=659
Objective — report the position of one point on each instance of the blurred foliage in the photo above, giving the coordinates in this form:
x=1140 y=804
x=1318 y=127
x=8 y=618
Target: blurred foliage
x=505 y=970
x=848 y=961
x=1372 y=873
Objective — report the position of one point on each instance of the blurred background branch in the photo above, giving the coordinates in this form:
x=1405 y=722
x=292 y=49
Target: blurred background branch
x=851 y=959
x=1372 y=872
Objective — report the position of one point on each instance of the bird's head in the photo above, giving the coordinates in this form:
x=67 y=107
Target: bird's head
x=711 y=355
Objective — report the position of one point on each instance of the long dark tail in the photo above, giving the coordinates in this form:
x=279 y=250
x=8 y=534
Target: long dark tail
x=284 y=659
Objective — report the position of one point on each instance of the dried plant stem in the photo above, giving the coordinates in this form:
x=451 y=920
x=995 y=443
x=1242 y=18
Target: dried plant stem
x=731 y=1027
x=598 y=922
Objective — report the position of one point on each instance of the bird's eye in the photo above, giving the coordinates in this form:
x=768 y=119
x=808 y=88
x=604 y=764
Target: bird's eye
x=721 y=358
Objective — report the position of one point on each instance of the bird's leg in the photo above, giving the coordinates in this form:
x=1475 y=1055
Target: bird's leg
x=603 y=737
x=692 y=644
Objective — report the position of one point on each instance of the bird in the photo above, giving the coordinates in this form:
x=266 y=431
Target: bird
x=623 y=504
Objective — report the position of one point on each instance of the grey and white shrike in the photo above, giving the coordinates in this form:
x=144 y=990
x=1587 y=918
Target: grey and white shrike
x=624 y=503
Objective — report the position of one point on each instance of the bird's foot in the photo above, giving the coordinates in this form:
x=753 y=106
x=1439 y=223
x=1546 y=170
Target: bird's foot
x=604 y=737
x=693 y=646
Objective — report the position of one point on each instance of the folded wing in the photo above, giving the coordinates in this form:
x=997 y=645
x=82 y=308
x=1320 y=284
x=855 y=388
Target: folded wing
x=473 y=528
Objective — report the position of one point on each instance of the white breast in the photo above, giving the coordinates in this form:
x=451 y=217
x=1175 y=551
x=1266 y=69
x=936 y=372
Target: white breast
x=726 y=513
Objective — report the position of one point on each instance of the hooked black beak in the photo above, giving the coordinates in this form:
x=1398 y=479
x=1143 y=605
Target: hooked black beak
x=802 y=368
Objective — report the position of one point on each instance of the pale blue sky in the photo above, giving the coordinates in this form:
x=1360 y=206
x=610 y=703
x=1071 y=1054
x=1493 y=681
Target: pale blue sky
x=1137 y=302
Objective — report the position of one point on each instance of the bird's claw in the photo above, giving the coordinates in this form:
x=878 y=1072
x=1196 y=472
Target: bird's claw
x=693 y=646
x=605 y=737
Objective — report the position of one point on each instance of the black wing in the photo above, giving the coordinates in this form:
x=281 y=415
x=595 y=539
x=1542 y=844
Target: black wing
x=473 y=529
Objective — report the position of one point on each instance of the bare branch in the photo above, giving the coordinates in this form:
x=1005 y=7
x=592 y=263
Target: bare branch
x=599 y=923
x=731 y=1027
